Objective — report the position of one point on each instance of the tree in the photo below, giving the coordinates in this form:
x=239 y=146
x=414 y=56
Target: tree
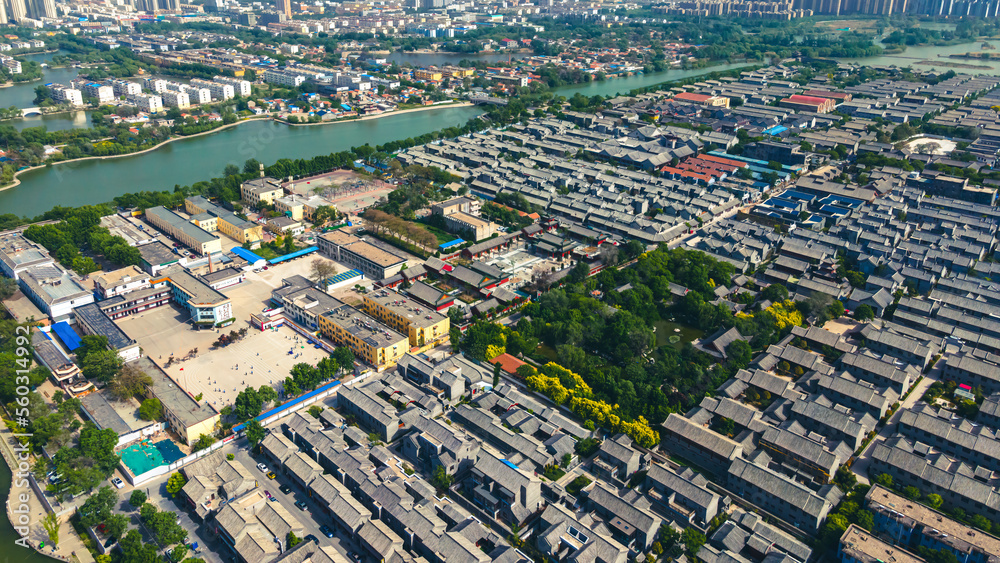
x=911 y=492
x=981 y=522
x=693 y=540
x=7 y=288
x=101 y=365
x=89 y=344
x=267 y=394
x=884 y=479
x=739 y=353
x=151 y=409
x=833 y=528
x=934 y=501
x=51 y=524
x=315 y=411
x=865 y=519
x=129 y=382
x=255 y=432
x=864 y=313
x=164 y=525
x=496 y=375
x=178 y=553
x=580 y=272
x=175 y=483
x=441 y=479
x=204 y=441
x=98 y=507
x=291 y=540
x=344 y=357
x=775 y=292
x=248 y=404
x=135 y=550
x=137 y=498
x=321 y=271
x=115 y=525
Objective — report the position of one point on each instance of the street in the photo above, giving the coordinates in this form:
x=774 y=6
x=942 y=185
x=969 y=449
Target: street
x=861 y=463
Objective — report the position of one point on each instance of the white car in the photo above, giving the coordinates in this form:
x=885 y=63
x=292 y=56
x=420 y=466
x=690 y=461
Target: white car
x=118 y=483
x=262 y=467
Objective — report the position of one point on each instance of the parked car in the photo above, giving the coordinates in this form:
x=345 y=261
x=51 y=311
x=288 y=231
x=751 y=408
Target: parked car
x=285 y=489
x=312 y=538
x=118 y=483
x=300 y=504
x=326 y=531
x=271 y=475
x=262 y=467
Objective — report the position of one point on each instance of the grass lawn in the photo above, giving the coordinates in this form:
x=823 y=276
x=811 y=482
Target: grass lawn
x=441 y=235
x=265 y=253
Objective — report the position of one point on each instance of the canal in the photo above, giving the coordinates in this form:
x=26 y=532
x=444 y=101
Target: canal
x=14 y=553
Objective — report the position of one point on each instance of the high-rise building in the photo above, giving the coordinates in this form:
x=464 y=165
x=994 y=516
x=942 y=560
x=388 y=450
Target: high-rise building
x=3 y=13
x=284 y=6
x=18 y=10
x=171 y=5
x=42 y=9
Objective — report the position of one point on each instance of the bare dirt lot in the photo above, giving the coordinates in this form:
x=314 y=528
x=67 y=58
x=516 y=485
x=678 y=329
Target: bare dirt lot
x=262 y=358
x=349 y=191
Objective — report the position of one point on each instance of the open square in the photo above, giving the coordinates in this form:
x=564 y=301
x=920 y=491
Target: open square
x=262 y=358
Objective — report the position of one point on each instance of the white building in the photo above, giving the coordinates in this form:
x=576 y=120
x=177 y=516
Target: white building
x=124 y=87
x=242 y=87
x=219 y=91
x=155 y=84
x=283 y=78
x=198 y=95
x=178 y=100
x=105 y=94
x=66 y=94
x=149 y=103
x=11 y=64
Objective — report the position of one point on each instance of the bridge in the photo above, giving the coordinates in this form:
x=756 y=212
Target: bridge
x=28 y=112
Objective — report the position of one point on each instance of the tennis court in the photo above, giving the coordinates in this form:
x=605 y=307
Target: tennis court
x=143 y=456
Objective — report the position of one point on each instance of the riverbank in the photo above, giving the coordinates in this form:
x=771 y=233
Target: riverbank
x=380 y=115
x=17 y=181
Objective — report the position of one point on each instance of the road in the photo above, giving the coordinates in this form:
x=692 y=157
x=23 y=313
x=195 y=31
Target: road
x=860 y=466
x=211 y=548
x=306 y=517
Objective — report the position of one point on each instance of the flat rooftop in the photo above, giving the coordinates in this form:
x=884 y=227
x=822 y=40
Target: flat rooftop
x=175 y=399
x=364 y=327
x=19 y=252
x=158 y=254
x=860 y=545
x=363 y=248
x=103 y=414
x=406 y=307
x=53 y=283
x=101 y=324
x=200 y=292
x=949 y=529
x=191 y=230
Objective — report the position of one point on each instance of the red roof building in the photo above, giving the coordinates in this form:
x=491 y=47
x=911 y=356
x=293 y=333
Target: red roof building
x=813 y=104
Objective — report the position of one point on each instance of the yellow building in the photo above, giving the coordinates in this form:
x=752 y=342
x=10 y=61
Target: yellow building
x=185 y=416
x=424 y=326
x=261 y=190
x=427 y=74
x=298 y=207
x=370 y=340
x=211 y=218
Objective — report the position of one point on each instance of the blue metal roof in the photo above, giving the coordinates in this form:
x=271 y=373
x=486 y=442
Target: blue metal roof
x=293 y=255
x=289 y=404
x=246 y=254
x=775 y=130
x=451 y=244
x=67 y=335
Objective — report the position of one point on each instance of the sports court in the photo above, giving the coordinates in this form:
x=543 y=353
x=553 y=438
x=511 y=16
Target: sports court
x=144 y=456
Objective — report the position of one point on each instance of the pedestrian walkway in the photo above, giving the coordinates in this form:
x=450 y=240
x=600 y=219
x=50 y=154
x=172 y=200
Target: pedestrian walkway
x=70 y=547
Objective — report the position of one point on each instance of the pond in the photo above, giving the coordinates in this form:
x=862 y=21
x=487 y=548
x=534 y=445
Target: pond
x=666 y=329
